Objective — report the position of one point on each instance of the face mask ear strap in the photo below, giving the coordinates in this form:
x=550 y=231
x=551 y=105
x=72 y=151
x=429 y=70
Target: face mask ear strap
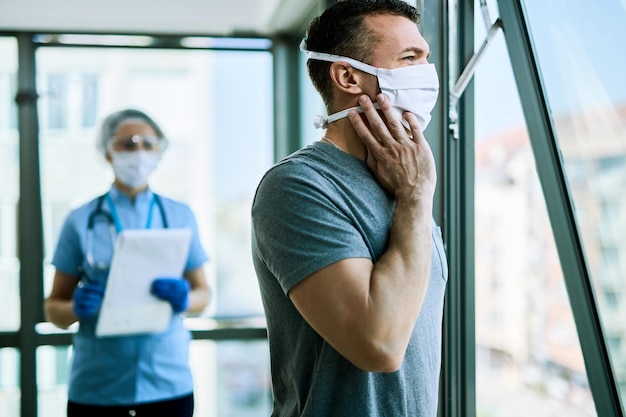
x=321 y=56
x=322 y=122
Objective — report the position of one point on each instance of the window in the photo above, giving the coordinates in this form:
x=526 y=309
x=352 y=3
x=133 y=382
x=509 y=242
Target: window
x=587 y=98
x=217 y=115
x=528 y=359
x=9 y=188
x=9 y=377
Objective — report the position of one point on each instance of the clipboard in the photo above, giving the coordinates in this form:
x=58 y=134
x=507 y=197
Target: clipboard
x=140 y=256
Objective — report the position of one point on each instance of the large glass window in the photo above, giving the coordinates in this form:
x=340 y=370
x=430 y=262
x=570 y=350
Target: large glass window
x=528 y=358
x=9 y=187
x=216 y=109
x=9 y=382
x=52 y=375
x=580 y=61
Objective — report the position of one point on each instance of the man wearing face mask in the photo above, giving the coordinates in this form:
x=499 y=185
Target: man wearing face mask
x=349 y=260
x=146 y=374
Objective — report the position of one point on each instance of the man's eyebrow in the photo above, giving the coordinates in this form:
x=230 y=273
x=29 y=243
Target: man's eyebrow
x=418 y=51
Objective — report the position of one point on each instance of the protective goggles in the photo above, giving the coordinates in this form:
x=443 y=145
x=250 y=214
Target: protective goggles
x=134 y=143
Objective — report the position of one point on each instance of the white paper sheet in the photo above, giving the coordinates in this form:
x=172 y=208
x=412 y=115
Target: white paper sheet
x=140 y=256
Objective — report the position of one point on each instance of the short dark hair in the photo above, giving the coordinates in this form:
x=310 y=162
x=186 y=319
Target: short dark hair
x=341 y=30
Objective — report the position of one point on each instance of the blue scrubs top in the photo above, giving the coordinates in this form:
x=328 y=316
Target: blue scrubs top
x=128 y=369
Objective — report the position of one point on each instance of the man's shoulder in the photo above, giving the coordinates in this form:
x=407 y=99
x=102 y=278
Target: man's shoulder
x=299 y=165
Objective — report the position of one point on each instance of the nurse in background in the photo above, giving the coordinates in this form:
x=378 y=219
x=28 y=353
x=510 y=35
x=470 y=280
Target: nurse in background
x=139 y=375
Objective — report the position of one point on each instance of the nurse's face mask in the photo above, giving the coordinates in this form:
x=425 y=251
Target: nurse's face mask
x=134 y=159
x=412 y=88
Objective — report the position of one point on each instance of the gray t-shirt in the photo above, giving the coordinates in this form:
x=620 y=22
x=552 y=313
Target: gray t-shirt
x=314 y=208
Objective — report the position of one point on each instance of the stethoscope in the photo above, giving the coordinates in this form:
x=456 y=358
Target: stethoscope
x=114 y=225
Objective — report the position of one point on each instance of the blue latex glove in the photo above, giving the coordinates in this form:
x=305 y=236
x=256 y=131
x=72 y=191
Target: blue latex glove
x=173 y=290
x=87 y=300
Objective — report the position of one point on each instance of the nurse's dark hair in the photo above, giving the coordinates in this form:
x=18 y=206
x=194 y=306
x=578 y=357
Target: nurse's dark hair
x=341 y=30
x=115 y=120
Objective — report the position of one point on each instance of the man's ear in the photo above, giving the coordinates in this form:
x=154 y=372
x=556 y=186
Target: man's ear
x=347 y=79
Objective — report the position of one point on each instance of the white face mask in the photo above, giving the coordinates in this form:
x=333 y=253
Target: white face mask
x=133 y=168
x=413 y=88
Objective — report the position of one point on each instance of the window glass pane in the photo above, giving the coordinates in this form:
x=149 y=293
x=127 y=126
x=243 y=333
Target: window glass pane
x=242 y=102
x=52 y=377
x=312 y=105
x=9 y=187
x=213 y=163
x=581 y=60
x=528 y=357
x=237 y=384
x=231 y=378
x=217 y=114
x=9 y=378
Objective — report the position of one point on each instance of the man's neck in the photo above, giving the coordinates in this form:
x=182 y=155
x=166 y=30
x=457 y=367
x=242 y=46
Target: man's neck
x=344 y=136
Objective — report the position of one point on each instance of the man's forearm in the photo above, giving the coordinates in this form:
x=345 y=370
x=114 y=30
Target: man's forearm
x=400 y=277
